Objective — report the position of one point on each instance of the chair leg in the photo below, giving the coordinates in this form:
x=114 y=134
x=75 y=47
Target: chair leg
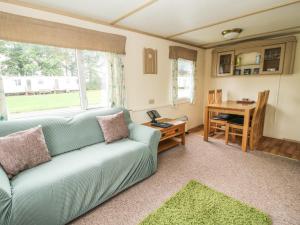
x=233 y=136
x=251 y=141
x=226 y=134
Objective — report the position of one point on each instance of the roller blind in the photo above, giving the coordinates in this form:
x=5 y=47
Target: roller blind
x=176 y=52
x=25 y=29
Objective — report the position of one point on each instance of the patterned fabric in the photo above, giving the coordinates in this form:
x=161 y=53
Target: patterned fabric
x=116 y=81
x=113 y=127
x=174 y=81
x=3 y=109
x=194 y=81
x=23 y=150
x=64 y=134
x=73 y=183
x=192 y=94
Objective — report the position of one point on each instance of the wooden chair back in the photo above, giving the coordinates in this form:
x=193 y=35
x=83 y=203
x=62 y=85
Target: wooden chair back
x=258 y=116
x=218 y=96
x=266 y=97
x=211 y=97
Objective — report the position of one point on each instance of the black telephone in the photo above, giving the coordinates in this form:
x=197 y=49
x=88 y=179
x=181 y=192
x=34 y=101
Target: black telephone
x=153 y=114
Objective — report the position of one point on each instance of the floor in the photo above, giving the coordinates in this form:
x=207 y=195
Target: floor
x=268 y=182
x=274 y=146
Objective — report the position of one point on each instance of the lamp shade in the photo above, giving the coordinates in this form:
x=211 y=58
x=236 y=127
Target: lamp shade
x=231 y=34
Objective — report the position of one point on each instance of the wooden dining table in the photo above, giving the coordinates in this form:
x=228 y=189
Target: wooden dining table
x=231 y=107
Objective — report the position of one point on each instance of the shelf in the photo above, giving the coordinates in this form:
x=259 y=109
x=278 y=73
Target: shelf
x=167 y=144
x=271 y=59
x=247 y=65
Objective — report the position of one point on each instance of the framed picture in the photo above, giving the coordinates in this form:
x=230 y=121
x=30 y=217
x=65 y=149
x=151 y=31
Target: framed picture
x=150 y=61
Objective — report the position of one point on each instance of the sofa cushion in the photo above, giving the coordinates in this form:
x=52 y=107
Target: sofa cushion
x=64 y=134
x=75 y=182
x=113 y=127
x=23 y=150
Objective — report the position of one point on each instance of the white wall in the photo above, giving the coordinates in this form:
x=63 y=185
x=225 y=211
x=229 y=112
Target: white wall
x=140 y=87
x=282 y=117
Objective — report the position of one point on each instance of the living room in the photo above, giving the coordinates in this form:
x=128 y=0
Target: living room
x=149 y=112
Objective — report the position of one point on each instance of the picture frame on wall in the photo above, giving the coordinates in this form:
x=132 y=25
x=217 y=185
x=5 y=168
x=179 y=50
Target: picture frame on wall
x=150 y=61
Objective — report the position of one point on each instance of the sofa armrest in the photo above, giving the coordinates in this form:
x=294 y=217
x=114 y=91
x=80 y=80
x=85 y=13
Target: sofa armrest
x=5 y=198
x=5 y=189
x=146 y=135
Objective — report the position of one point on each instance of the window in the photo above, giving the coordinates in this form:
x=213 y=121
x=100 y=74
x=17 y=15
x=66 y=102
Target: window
x=185 y=79
x=39 y=78
x=95 y=70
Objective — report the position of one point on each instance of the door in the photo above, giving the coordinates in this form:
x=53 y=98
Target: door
x=225 y=63
x=272 y=59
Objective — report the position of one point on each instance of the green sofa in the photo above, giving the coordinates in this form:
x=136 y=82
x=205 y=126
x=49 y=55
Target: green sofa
x=83 y=172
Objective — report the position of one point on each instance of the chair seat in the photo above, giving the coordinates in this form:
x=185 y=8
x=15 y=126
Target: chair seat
x=237 y=120
x=226 y=117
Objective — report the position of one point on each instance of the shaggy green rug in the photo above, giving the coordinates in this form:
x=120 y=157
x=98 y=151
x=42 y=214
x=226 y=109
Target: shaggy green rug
x=197 y=204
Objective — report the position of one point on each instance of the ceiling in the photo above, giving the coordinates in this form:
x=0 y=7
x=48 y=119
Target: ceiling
x=197 y=22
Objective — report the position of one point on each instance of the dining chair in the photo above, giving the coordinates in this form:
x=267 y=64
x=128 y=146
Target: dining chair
x=218 y=96
x=211 y=97
x=234 y=127
x=216 y=122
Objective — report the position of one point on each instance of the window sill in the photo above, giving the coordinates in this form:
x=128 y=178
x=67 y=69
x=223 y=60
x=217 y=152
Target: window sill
x=48 y=113
x=183 y=100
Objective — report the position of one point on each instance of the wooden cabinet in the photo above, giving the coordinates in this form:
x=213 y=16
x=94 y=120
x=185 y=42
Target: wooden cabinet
x=225 y=63
x=170 y=136
x=272 y=59
x=263 y=57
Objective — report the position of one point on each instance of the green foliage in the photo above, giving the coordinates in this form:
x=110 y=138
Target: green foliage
x=28 y=59
x=21 y=59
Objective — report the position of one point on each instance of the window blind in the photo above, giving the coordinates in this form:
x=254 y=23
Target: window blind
x=29 y=30
x=176 y=52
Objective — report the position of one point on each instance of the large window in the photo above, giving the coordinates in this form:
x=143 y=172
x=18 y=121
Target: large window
x=185 y=79
x=41 y=78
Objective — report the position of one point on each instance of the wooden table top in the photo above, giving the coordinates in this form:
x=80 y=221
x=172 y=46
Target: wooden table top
x=165 y=120
x=232 y=105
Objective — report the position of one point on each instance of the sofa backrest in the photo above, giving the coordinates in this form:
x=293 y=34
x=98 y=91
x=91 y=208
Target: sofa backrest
x=64 y=134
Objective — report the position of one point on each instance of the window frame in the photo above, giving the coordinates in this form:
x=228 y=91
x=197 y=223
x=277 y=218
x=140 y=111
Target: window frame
x=82 y=84
x=185 y=99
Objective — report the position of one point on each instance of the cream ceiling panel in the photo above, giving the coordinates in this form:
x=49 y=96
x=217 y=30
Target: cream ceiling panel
x=107 y=11
x=168 y=17
x=276 y=19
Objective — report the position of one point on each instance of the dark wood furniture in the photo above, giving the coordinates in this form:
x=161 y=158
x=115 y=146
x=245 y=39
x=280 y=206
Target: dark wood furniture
x=171 y=136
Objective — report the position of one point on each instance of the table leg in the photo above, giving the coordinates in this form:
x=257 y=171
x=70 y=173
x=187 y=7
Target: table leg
x=183 y=139
x=245 y=130
x=206 y=124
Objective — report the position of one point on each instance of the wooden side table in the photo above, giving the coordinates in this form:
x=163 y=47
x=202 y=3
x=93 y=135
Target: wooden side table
x=171 y=136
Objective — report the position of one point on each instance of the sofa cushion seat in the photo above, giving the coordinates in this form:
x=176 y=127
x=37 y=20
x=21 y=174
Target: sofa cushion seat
x=77 y=181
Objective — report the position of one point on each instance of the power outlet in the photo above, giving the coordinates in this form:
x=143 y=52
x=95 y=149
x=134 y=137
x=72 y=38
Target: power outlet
x=151 y=101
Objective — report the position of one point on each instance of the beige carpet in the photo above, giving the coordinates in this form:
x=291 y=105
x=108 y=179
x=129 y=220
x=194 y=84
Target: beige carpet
x=267 y=182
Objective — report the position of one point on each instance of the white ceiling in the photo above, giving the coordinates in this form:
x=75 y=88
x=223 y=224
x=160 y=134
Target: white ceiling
x=170 y=18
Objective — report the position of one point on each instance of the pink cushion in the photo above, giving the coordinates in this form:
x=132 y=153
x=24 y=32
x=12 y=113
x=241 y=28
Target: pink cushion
x=23 y=150
x=113 y=127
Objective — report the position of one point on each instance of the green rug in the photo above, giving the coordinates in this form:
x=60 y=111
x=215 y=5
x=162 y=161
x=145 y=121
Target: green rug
x=197 y=204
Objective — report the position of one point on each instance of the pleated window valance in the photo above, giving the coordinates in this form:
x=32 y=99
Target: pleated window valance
x=25 y=29
x=176 y=52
